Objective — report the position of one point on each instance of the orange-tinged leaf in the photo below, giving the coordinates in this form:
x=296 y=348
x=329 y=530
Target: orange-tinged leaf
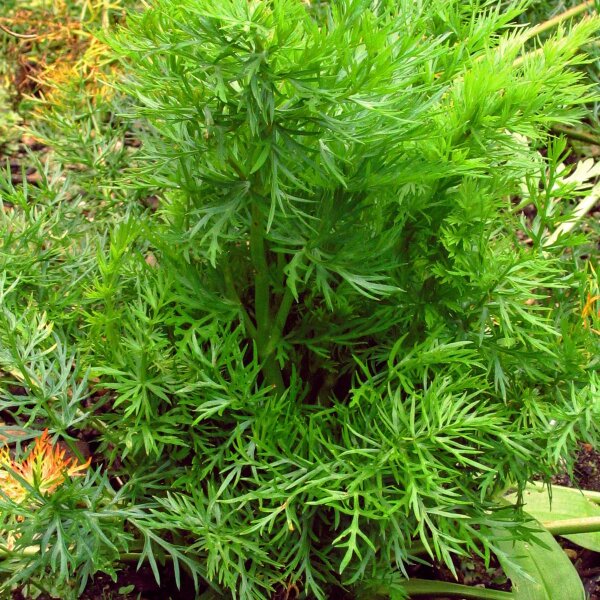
x=45 y=468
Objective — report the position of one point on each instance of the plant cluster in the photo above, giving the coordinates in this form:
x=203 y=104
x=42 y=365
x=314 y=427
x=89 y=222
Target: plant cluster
x=8 y=119
x=61 y=74
x=547 y=11
x=308 y=332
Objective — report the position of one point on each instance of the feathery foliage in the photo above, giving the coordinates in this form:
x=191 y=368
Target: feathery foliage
x=329 y=350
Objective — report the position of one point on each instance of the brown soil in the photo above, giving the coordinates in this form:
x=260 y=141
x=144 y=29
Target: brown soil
x=131 y=584
x=586 y=473
x=587 y=564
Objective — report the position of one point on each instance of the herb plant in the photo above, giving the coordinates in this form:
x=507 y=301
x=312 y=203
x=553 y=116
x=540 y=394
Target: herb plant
x=337 y=342
x=8 y=119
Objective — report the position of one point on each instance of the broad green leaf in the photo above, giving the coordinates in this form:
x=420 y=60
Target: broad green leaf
x=540 y=572
x=567 y=503
x=425 y=588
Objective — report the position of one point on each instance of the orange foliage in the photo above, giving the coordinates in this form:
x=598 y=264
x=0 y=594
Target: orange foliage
x=44 y=469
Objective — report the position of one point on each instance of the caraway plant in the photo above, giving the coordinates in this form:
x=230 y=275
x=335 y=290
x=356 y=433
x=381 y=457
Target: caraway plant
x=334 y=344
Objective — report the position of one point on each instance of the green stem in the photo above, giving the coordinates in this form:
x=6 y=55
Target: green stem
x=261 y=277
x=280 y=320
x=262 y=301
x=571 y=526
x=273 y=373
x=432 y=589
x=232 y=293
x=26 y=552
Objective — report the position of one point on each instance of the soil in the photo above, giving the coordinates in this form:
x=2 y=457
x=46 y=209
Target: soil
x=587 y=564
x=586 y=471
x=131 y=584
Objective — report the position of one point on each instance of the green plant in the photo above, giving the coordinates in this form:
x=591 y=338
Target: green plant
x=547 y=13
x=60 y=74
x=8 y=119
x=329 y=352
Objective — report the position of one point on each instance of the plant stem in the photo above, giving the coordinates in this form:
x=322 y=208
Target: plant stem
x=28 y=551
x=232 y=292
x=262 y=301
x=105 y=14
x=20 y=36
x=558 y=19
x=273 y=373
x=280 y=320
x=571 y=526
x=261 y=277
x=429 y=589
x=575 y=134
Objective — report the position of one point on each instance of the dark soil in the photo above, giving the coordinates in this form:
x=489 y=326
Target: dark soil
x=131 y=584
x=586 y=473
x=587 y=564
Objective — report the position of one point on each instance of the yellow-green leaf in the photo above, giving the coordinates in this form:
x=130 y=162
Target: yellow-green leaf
x=540 y=572
x=567 y=503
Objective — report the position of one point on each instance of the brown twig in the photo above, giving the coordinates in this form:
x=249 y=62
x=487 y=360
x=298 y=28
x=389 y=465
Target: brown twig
x=558 y=19
x=21 y=36
x=578 y=135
